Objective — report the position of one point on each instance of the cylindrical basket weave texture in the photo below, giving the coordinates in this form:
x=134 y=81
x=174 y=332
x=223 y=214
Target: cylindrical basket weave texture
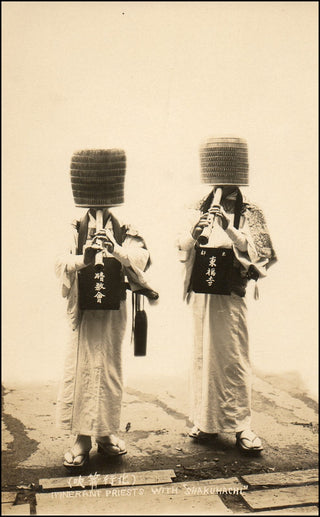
x=224 y=161
x=97 y=177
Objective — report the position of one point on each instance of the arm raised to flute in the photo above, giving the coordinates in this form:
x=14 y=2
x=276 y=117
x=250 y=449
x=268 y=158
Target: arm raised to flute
x=206 y=232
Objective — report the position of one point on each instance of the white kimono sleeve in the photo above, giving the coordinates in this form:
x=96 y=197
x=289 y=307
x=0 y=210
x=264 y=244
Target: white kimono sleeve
x=135 y=258
x=66 y=266
x=244 y=248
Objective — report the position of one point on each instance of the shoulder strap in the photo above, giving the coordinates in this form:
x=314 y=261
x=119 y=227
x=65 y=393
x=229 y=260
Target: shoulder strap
x=238 y=210
x=118 y=231
x=83 y=232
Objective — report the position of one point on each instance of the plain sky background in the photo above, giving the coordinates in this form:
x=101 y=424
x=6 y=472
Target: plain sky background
x=156 y=78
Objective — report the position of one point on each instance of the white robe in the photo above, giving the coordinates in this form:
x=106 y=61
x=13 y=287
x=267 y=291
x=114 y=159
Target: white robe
x=221 y=374
x=90 y=395
x=220 y=370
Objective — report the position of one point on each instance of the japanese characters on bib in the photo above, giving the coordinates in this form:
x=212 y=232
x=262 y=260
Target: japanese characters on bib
x=212 y=269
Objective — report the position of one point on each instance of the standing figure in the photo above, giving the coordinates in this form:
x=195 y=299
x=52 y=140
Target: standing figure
x=103 y=251
x=226 y=244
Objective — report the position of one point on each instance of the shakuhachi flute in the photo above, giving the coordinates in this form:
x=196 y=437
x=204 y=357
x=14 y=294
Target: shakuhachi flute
x=99 y=226
x=204 y=237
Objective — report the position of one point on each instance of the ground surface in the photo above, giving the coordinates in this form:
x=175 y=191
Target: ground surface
x=157 y=438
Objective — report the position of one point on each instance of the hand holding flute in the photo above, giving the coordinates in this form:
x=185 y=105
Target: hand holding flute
x=218 y=211
x=202 y=230
x=103 y=239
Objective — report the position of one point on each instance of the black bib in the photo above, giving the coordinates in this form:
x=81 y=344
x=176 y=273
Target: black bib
x=212 y=270
x=100 y=289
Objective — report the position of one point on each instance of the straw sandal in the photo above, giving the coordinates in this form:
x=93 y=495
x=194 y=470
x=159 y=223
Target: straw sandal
x=197 y=434
x=114 y=447
x=78 y=456
x=248 y=441
x=75 y=462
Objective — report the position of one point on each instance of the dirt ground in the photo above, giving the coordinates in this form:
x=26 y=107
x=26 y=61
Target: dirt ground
x=155 y=427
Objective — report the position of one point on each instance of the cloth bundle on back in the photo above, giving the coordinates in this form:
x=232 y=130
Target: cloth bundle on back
x=225 y=244
x=106 y=256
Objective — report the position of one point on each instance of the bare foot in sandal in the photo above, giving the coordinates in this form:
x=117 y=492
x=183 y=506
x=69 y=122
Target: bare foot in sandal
x=248 y=441
x=111 y=445
x=197 y=434
x=78 y=455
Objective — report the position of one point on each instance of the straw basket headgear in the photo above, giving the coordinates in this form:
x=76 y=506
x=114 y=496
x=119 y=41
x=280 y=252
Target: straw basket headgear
x=224 y=161
x=97 y=177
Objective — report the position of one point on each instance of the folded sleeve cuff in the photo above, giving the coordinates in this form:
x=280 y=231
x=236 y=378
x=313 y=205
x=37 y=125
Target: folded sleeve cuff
x=238 y=238
x=75 y=263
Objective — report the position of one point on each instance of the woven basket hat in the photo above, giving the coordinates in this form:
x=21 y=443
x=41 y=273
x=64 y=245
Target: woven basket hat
x=97 y=177
x=224 y=161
